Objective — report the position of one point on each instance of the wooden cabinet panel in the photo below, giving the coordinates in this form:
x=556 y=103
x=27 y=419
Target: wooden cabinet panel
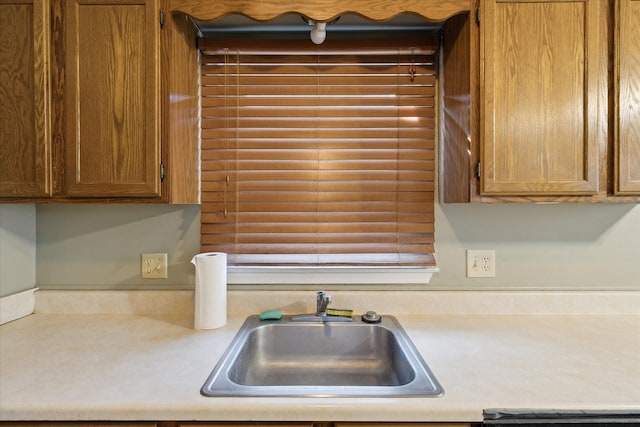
x=25 y=157
x=247 y=424
x=112 y=101
x=223 y=424
x=77 y=424
x=627 y=96
x=180 y=110
x=543 y=90
x=401 y=425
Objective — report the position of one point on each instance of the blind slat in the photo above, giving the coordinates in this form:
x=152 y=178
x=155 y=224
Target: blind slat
x=215 y=223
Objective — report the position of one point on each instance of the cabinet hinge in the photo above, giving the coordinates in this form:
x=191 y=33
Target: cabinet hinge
x=478 y=169
x=161 y=171
x=163 y=17
x=478 y=16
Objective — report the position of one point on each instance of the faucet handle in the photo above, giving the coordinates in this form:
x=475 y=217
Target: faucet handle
x=322 y=301
x=322 y=296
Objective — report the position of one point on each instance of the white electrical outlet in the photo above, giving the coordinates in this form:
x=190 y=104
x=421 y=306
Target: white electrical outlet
x=481 y=263
x=153 y=266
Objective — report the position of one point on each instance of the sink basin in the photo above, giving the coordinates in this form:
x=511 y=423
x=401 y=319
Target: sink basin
x=289 y=358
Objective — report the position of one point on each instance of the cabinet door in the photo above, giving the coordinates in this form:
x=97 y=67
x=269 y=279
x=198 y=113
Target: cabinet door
x=411 y=424
x=627 y=63
x=112 y=98
x=543 y=96
x=25 y=138
x=246 y=424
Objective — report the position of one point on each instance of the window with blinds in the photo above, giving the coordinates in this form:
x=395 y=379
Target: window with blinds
x=321 y=156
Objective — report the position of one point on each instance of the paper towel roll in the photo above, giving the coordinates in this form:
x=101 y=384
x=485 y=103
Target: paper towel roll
x=211 y=290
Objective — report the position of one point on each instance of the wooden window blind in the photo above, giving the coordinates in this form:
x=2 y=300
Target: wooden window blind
x=318 y=157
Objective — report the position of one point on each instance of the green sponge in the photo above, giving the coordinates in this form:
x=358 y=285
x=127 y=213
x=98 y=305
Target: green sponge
x=270 y=315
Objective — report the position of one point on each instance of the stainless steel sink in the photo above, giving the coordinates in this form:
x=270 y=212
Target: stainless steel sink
x=288 y=358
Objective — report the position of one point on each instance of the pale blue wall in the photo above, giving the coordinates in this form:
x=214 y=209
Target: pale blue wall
x=564 y=246
x=17 y=248
x=98 y=246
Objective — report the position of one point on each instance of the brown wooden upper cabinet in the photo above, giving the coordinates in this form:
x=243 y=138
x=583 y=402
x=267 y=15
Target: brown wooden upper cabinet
x=627 y=96
x=538 y=125
x=112 y=99
x=543 y=86
x=524 y=89
x=84 y=112
x=25 y=138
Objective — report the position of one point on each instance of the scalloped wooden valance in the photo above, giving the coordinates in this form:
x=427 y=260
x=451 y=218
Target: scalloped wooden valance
x=320 y=10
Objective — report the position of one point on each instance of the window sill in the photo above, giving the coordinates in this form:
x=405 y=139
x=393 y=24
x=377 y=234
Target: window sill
x=329 y=275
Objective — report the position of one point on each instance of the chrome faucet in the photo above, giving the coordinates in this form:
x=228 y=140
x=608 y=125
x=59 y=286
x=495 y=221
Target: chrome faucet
x=322 y=302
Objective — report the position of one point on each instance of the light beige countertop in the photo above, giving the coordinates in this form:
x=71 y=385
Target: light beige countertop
x=71 y=364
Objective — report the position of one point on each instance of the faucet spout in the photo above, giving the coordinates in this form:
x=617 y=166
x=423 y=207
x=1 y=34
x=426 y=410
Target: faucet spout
x=322 y=302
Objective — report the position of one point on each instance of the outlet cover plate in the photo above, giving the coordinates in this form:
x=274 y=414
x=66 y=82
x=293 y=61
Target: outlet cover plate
x=481 y=263
x=153 y=266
